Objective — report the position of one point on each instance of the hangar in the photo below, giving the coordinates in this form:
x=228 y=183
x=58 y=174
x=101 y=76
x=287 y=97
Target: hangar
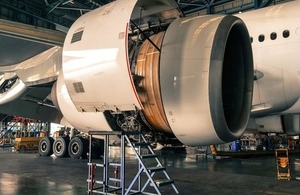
x=187 y=79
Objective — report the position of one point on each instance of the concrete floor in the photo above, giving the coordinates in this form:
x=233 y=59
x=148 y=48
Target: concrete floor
x=28 y=173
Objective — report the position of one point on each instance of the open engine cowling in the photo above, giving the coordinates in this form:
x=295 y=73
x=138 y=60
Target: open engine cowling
x=195 y=75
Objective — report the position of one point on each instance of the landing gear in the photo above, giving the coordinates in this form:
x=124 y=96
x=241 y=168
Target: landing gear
x=22 y=148
x=78 y=147
x=60 y=146
x=45 y=146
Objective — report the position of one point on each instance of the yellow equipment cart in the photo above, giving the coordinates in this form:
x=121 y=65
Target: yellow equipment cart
x=27 y=143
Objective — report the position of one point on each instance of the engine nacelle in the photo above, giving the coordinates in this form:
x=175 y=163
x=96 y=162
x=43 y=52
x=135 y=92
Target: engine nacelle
x=289 y=124
x=191 y=77
x=206 y=78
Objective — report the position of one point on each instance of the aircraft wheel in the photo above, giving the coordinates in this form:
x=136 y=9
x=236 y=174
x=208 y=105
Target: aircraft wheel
x=45 y=146
x=78 y=147
x=22 y=148
x=60 y=146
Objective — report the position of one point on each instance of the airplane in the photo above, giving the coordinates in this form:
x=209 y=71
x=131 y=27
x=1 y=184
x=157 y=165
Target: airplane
x=137 y=64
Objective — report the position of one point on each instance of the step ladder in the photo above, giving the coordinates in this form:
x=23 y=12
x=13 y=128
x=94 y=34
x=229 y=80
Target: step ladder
x=150 y=177
x=283 y=165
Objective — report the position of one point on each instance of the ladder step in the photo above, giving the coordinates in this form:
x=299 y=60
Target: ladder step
x=114 y=179
x=146 y=156
x=97 y=164
x=163 y=182
x=115 y=164
x=156 y=169
x=95 y=181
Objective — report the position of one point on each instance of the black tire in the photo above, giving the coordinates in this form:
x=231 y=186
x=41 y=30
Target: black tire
x=60 y=146
x=22 y=148
x=45 y=146
x=78 y=147
x=97 y=148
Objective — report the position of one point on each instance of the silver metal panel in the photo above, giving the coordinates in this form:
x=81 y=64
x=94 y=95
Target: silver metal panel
x=99 y=60
x=84 y=121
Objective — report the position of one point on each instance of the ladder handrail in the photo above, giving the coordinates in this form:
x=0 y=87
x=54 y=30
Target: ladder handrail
x=143 y=167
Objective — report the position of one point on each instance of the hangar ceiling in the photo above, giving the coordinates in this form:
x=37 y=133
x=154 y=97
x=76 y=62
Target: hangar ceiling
x=56 y=16
x=60 y=14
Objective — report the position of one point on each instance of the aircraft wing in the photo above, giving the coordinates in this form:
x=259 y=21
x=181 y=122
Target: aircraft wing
x=25 y=83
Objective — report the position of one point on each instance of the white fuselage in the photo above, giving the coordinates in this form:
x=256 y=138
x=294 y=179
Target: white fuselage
x=275 y=34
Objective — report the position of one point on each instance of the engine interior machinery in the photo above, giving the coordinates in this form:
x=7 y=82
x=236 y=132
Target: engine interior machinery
x=136 y=61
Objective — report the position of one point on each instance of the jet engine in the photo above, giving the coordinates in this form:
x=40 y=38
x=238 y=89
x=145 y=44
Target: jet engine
x=140 y=62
